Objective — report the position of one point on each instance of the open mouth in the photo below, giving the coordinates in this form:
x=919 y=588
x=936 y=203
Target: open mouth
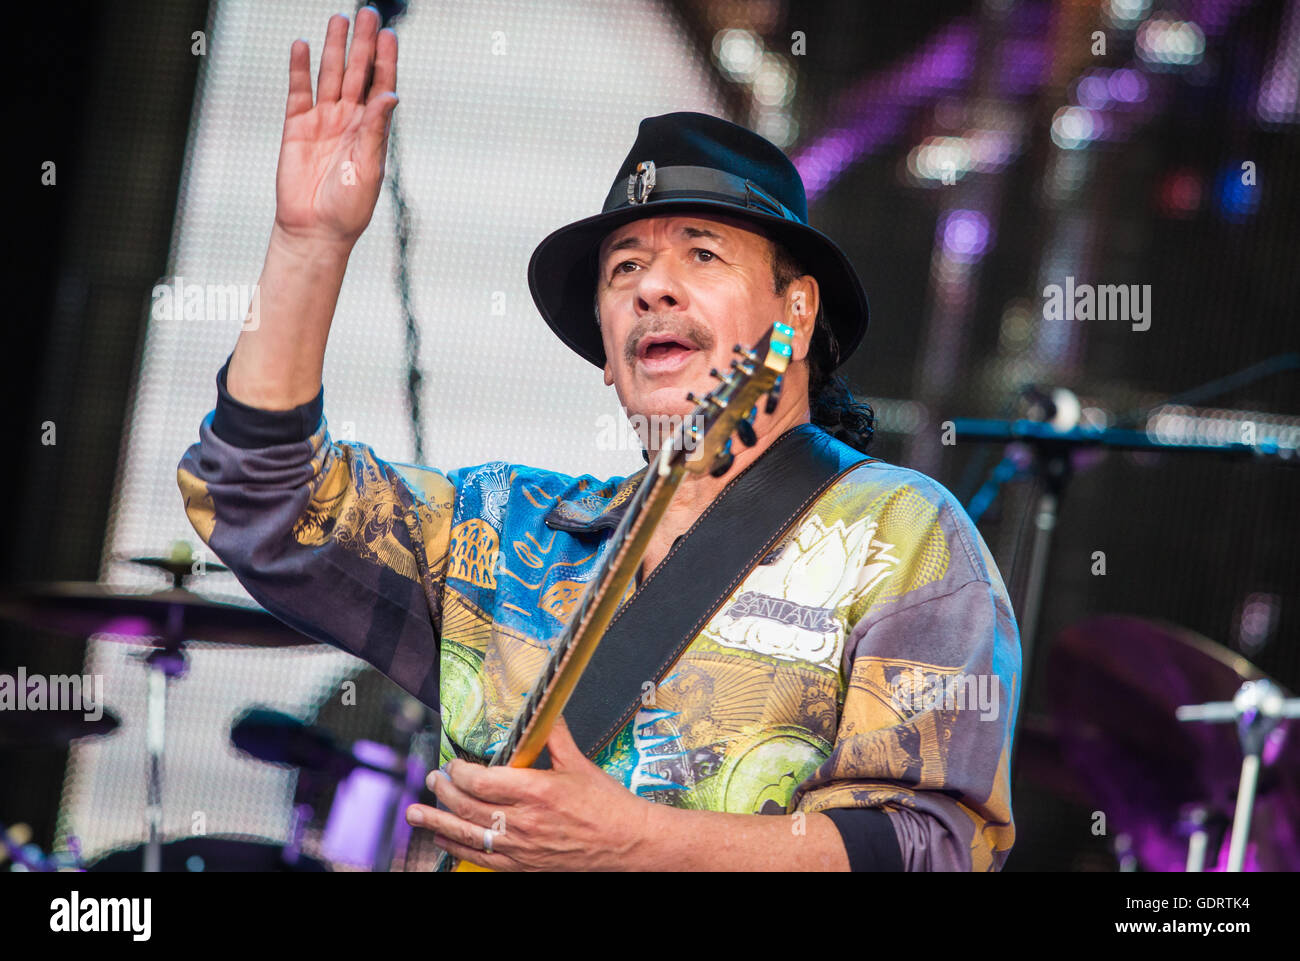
x=665 y=352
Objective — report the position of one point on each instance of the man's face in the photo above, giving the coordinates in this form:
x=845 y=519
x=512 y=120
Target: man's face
x=676 y=293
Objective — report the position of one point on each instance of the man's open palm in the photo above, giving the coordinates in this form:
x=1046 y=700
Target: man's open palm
x=332 y=153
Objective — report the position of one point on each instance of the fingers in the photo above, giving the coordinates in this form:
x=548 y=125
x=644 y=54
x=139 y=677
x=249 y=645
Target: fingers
x=374 y=122
x=362 y=56
x=330 y=78
x=474 y=855
x=299 y=79
x=461 y=804
x=497 y=785
x=459 y=838
x=362 y=75
x=385 y=77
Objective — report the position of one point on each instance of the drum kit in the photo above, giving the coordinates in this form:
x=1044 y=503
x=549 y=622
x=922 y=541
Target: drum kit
x=372 y=782
x=1178 y=741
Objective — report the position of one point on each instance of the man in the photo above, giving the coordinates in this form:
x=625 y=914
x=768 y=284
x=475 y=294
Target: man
x=826 y=717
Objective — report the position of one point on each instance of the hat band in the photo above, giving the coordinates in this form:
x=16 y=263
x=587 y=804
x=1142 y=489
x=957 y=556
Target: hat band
x=698 y=183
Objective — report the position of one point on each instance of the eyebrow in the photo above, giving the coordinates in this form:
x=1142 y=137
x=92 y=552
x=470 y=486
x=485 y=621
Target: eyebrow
x=691 y=232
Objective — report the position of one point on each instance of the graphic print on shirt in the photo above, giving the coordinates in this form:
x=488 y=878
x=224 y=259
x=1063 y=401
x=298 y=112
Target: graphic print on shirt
x=492 y=482
x=719 y=734
x=769 y=666
x=357 y=507
x=783 y=610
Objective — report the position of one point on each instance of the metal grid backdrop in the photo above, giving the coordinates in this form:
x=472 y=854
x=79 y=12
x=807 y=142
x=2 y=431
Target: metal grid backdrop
x=512 y=118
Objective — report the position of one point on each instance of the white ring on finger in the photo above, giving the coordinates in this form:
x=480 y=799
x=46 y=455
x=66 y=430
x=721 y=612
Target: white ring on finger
x=488 y=835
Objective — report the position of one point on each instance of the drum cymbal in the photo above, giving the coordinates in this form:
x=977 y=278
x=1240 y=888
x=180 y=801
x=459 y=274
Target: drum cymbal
x=84 y=608
x=178 y=567
x=1114 y=684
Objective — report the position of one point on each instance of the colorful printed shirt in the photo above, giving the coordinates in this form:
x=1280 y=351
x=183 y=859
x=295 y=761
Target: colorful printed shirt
x=867 y=667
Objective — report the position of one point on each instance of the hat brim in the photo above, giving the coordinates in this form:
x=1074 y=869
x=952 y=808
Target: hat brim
x=562 y=273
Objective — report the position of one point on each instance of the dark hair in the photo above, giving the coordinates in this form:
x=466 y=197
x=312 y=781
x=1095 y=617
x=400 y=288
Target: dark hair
x=833 y=406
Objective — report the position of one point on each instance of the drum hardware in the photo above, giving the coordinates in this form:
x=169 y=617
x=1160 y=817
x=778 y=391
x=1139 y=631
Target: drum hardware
x=181 y=564
x=163 y=622
x=1117 y=686
x=375 y=783
x=1122 y=847
x=411 y=718
x=1194 y=825
x=1257 y=709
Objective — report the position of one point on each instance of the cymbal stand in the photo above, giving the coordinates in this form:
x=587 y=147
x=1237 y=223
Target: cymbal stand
x=1257 y=709
x=165 y=662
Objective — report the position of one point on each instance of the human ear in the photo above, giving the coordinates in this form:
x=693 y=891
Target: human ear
x=802 y=299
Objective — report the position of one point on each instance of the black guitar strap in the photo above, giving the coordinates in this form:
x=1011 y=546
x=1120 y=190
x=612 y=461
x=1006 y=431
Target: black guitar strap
x=671 y=606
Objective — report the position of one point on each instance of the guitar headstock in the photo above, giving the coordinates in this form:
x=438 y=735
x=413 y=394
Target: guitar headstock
x=705 y=440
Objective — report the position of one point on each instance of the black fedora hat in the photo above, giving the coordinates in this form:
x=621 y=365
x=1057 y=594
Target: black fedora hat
x=692 y=162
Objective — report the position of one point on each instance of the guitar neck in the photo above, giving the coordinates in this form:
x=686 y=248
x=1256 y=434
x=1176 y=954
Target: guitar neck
x=600 y=601
x=571 y=652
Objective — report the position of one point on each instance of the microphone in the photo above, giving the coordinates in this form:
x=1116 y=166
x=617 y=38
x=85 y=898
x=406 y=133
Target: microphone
x=1057 y=406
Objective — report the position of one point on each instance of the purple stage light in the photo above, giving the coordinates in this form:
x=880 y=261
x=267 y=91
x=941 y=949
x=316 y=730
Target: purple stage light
x=1279 y=93
x=1127 y=86
x=964 y=235
x=1093 y=92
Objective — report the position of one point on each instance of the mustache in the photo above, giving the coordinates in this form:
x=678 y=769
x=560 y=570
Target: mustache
x=654 y=325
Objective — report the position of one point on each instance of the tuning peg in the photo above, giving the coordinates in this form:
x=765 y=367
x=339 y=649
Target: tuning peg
x=745 y=431
x=722 y=463
x=773 y=397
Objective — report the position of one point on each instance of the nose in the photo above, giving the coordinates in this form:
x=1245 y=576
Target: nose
x=658 y=288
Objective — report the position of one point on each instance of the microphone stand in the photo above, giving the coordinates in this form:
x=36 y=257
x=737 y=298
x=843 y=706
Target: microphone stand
x=1052 y=448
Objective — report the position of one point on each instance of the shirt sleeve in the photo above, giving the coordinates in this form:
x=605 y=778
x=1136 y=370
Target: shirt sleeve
x=344 y=547
x=925 y=730
x=869 y=838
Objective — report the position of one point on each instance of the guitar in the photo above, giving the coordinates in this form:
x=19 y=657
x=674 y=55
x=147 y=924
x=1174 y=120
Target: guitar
x=701 y=443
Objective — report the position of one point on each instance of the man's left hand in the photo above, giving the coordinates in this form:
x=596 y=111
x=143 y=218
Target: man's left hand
x=574 y=817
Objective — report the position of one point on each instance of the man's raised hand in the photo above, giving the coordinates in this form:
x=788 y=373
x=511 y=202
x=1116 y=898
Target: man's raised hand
x=326 y=185
x=332 y=153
